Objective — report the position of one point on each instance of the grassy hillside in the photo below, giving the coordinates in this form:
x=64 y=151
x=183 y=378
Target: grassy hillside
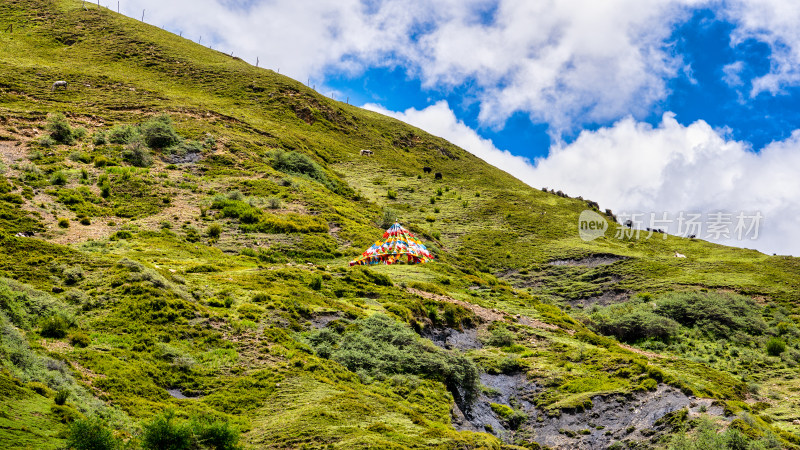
x=187 y=276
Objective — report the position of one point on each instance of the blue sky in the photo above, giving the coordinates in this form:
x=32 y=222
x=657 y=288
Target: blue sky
x=661 y=106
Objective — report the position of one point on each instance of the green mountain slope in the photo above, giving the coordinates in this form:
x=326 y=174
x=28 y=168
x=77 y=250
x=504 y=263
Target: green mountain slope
x=193 y=218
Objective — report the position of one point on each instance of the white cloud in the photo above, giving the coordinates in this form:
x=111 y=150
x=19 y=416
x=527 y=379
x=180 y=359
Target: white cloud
x=565 y=63
x=557 y=60
x=774 y=22
x=635 y=167
x=732 y=73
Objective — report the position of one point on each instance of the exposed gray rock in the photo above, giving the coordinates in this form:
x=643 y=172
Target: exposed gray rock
x=450 y=338
x=612 y=418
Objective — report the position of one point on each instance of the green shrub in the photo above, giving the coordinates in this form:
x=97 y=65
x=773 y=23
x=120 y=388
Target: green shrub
x=202 y=268
x=91 y=434
x=236 y=209
x=85 y=221
x=250 y=311
x=137 y=155
x=775 y=346
x=158 y=132
x=388 y=218
x=61 y=396
x=44 y=141
x=300 y=164
x=165 y=433
x=79 y=133
x=41 y=389
x=716 y=314
x=79 y=339
x=192 y=235
x=123 y=134
x=72 y=275
x=184 y=148
x=65 y=413
x=101 y=161
x=511 y=417
x=56 y=326
x=122 y=234
x=297 y=163
x=58 y=178
x=379 y=345
x=707 y=436
x=247 y=251
x=316 y=283
x=59 y=129
x=100 y=138
x=635 y=325
x=82 y=157
x=63 y=223
x=214 y=231
x=390 y=194
x=649 y=384
x=500 y=336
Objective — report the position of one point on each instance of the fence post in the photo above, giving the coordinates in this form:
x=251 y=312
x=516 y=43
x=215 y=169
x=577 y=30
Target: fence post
x=256 y=61
x=142 y=15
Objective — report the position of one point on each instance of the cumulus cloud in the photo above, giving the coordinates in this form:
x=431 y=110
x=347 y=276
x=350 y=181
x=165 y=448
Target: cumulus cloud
x=637 y=168
x=773 y=22
x=553 y=60
x=565 y=63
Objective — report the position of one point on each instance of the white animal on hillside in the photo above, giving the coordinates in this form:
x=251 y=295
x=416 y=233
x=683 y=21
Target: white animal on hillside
x=59 y=84
x=679 y=255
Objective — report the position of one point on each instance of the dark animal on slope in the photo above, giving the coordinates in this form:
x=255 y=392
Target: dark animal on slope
x=437 y=175
x=427 y=169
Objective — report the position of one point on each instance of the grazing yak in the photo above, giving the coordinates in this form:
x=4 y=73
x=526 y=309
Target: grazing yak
x=427 y=169
x=437 y=176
